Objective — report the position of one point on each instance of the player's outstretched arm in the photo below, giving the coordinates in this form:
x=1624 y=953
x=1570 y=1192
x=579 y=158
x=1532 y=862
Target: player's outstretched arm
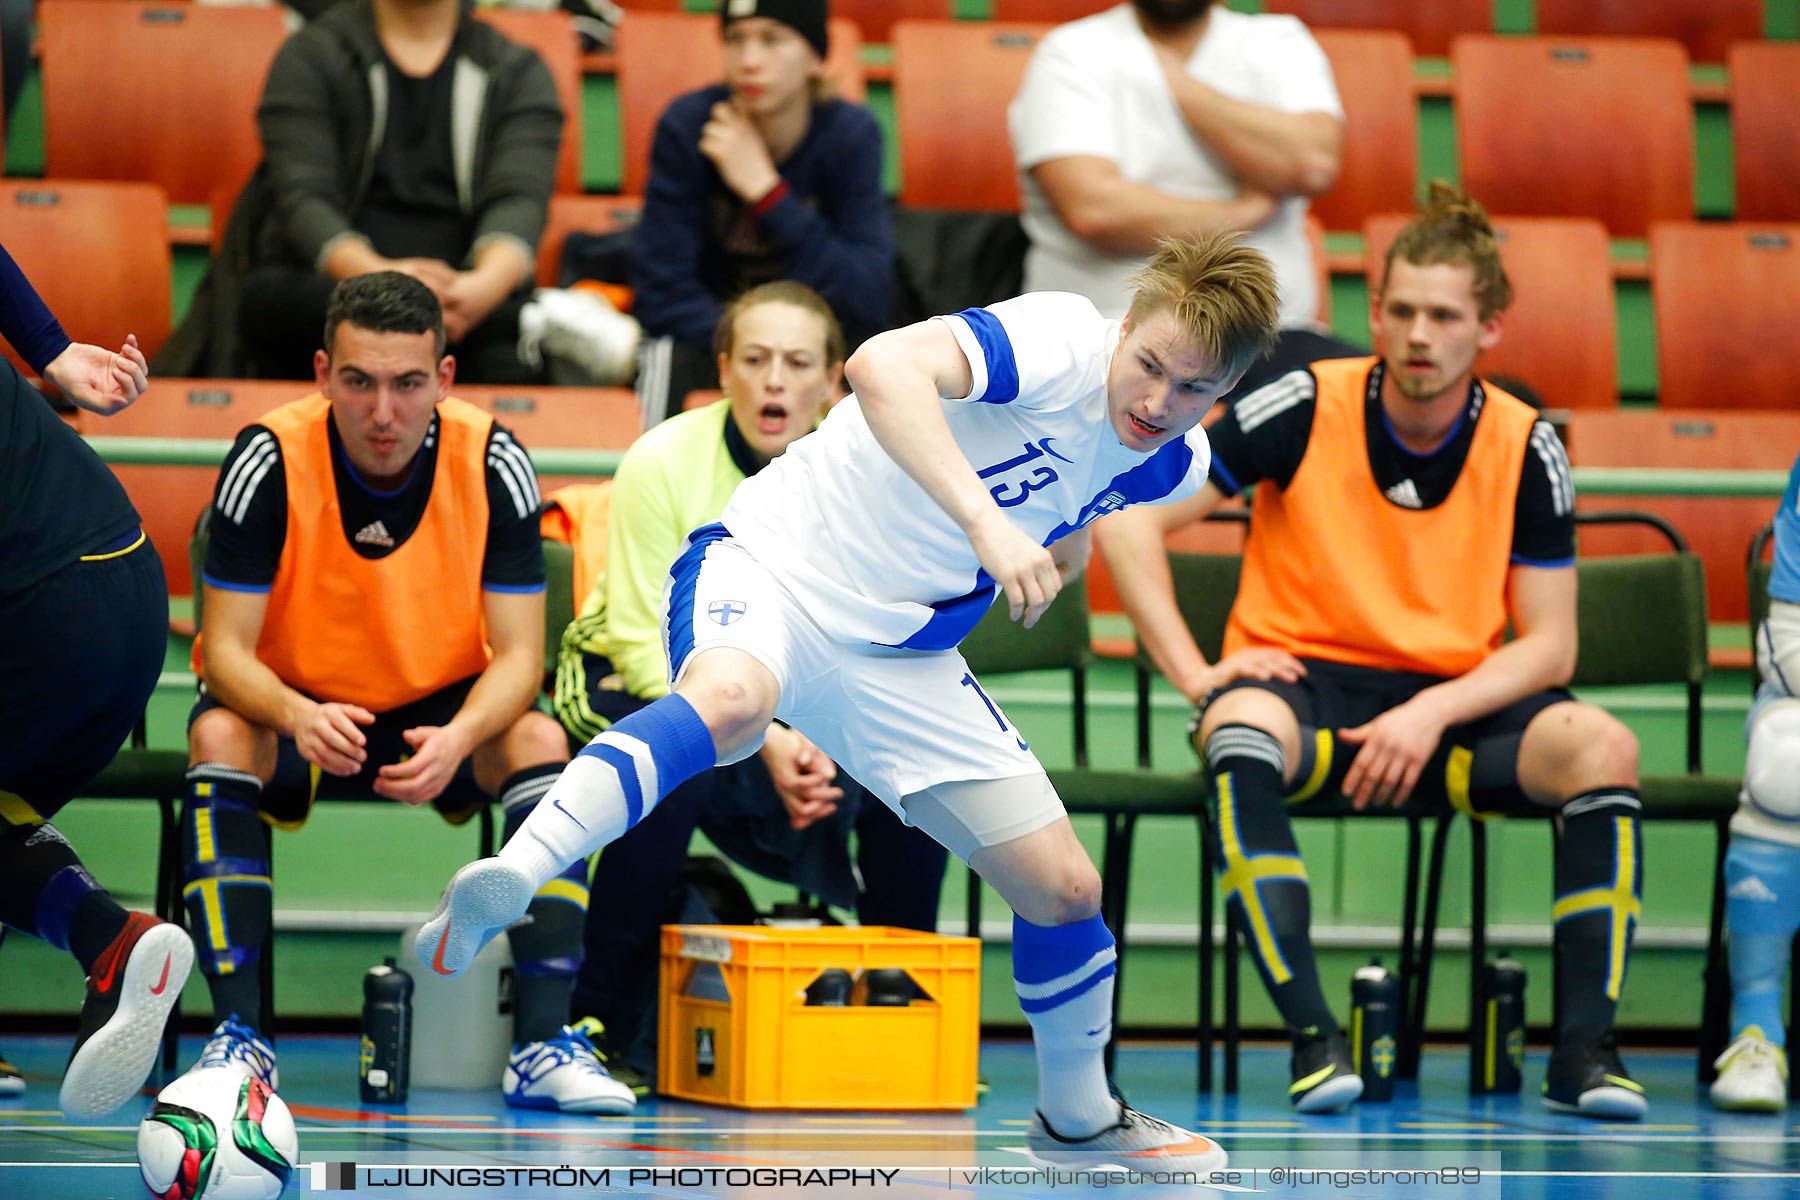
x=98 y=379
x=900 y=377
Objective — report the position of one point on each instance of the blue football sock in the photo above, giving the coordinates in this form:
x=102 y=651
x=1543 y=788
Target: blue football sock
x=611 y=785
x=1064 y=977
x=1762 y=910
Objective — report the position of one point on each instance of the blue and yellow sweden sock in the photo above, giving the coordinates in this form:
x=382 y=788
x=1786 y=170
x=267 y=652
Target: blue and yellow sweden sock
x=546 y=946
x=227 y=889
x=1599 y=898
x=1261 y=872
x=46 y=892
x=1762 y=909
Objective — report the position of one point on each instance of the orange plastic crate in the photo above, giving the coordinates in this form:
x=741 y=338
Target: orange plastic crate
x=765 y=1047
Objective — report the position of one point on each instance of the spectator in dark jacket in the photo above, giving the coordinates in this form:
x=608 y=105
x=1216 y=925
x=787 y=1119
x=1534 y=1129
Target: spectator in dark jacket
x=400 y=135
x=763 y=177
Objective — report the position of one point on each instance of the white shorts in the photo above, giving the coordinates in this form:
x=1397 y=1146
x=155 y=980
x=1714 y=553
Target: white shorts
x=898 y=721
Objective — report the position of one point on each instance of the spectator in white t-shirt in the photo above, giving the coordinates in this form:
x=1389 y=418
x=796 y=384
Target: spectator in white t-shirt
x=1160 y=118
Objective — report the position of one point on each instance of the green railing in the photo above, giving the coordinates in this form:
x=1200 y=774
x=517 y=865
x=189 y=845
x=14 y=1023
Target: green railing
x=1589 y=481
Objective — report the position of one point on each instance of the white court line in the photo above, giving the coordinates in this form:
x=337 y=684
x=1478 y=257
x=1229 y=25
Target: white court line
x=864 y=1132
x=938 y=1170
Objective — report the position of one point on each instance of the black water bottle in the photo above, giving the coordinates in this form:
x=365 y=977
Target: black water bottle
x=386 y=1034
x=1375 y=1029
x=1497 y=1049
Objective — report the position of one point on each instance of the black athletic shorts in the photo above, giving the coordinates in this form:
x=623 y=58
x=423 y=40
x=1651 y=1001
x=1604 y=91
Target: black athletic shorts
x=80 y=652
x=289 y=796
x=1475 y=769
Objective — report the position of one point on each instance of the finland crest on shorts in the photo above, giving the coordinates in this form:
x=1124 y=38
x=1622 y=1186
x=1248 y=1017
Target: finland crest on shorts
x=898 y=721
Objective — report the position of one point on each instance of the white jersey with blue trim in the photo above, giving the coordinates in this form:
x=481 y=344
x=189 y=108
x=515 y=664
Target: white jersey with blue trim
x=1784 y=582
x=876 y=560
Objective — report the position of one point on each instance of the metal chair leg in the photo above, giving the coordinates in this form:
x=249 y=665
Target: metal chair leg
x=1414 y=1042
x=1231 y=1000
x=169 y=908
x=1715 y=1008
x=1204 y=1032
x=1409 y=929
x=1477 y=943
x=972 y=907
x=1115 y=883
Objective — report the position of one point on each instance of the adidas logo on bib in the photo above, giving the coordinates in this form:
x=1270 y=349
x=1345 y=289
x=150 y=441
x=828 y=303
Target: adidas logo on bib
x=375 y=534
x=1405 y=495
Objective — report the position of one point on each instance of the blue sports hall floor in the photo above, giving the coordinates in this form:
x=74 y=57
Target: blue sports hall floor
x=1520 y=1149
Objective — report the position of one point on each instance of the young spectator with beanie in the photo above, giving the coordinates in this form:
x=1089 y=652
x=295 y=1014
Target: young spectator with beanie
x=764 y=176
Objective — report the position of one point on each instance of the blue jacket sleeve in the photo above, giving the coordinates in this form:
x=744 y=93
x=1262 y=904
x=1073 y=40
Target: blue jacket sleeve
x=25 y=321
x=670 y=298
x=844 y=247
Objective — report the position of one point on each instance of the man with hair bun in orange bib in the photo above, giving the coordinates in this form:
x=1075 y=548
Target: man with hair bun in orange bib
x=1405 y=511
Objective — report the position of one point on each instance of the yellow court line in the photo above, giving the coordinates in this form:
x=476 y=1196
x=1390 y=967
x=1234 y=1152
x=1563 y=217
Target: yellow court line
x=629 y=1120
x=1452 y=1125
x=1016 y=1124
x=854 y=1121
x=1668 y=1128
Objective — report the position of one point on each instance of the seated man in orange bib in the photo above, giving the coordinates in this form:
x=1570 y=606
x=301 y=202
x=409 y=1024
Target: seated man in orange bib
x=1404 y=512
x=373 y=622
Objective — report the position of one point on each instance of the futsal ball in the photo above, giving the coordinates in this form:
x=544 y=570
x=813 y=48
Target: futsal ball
x=217 y=1134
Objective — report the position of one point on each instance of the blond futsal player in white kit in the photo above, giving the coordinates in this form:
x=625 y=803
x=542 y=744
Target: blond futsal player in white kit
x=832 y=594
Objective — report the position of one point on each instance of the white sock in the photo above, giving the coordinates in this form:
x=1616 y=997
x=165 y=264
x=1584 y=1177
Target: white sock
x=1064 y=977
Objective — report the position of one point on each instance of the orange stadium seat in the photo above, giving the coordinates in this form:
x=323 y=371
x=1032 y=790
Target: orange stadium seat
x=1429 y=25
x=952 y=83
x=160 y=93
x=553 y=37
x=1727 y=300
x=561 y=418
x=1374 y=79
x=98 y=253
x=1765 y=137
x=874 y=19
x=1560 y=334
x=1315 y=241
x=1705 y=27
x=169 y=499
x=1717 y=529
x=584 y=214
x=1589 y=127
x=1049 y=12
x=663 y=56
